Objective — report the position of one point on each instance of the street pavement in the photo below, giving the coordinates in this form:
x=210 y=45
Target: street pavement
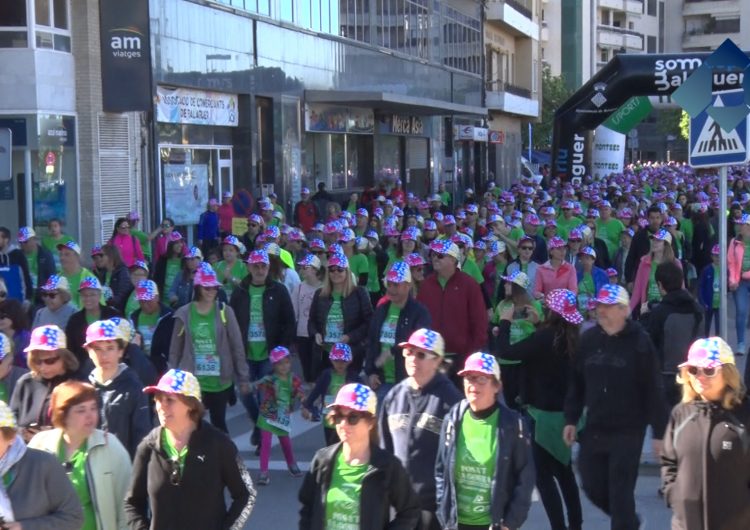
x=277 y=506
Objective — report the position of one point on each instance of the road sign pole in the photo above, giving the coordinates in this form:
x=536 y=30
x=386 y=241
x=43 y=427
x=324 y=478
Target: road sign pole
x=723 y=245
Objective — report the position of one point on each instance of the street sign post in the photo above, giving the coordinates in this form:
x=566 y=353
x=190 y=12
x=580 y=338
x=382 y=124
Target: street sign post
x=710 y=144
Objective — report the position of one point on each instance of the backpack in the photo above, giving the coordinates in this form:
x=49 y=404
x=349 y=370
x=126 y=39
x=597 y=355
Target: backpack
x=680 y=331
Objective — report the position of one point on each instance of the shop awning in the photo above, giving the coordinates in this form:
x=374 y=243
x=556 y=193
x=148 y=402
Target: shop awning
x=391 y=102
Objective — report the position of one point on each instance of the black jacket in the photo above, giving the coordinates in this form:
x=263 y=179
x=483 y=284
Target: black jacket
x=45 y=267
x=706 y=466
x=75 y=331
x=30 y=399
x=162 y=338
x=682 y=302
x=410 y=423
x=639 y=247
x=545 y=366
x=386 y=485
x=141 y=365
x=212 y=464
x=514 y=477
x=123 y=408
x=278 y=312
x=617 y=377
x=18 y=281
x=357 y=311
x=121 y=286
x=413 y=316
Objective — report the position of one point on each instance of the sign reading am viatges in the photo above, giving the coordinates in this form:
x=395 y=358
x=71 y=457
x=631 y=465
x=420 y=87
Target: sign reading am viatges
x=710 y=144
x=196 y=107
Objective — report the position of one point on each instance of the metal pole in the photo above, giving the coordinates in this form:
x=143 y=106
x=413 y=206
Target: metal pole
x=530 y=133
x=723 y=246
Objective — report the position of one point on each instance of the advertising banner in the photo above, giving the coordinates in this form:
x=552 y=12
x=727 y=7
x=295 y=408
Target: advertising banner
x=126 y=55
x=197 y=107
x=325 y=118
x=185 y=192
x=608 y=154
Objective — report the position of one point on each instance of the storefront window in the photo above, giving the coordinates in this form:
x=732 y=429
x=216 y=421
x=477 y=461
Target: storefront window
x=13 y=24
x=52 y=25
x=342 y=161
x=387 y=158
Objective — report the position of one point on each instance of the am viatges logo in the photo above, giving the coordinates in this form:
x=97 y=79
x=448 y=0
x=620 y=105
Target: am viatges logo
x=126 y=43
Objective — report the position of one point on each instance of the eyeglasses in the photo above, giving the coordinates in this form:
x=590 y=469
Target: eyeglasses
x=418 y=268
x=351 y=419
x=166 y=225
x=708 y=372
x=477 y=379
x=51 y=296
x=174 y=472
x=49 y=361
x=335 y=269
x=525 y=248
x=421 y=355
x=435 y=255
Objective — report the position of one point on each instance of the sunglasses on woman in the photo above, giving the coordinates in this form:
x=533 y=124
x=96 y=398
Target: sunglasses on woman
x=49 y=361
x=352 y=418
x=708 y=372
x=525 y=248
x=418 y=354
x=51 y=296
x=336 y=269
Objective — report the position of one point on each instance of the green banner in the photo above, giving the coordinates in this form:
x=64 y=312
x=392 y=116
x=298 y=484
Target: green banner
x=629 y=115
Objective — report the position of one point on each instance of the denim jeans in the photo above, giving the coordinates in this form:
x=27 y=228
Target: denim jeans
x=741 y=306
x=258 y=370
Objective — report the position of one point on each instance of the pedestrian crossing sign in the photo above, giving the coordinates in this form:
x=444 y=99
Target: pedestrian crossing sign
x=712 y=146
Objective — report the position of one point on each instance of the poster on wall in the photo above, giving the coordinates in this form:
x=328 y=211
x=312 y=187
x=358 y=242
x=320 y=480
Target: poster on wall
x=608 y=155
x=324 y=118
x=196 y=107
x=185 y=192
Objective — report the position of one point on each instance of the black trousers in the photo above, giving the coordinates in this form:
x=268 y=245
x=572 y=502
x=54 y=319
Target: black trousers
x=608 y=464
x=216 y=405
x=307 y=358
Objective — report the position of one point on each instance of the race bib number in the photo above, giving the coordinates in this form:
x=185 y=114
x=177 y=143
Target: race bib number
x=388 y=333
x=282 y=422
x=256 y=332
x=207 y=365
x=334 y=331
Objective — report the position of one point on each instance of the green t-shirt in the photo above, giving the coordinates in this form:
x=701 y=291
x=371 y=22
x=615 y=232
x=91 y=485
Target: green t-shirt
x=76 y=469
x=257 y=349
x=33 y=269
x=471 y=268
x=207 y=360
x=237 y=271
x=334 y=323
x=476 y=450
x=283 y=393
x=585 y=291
x=142 y=238
x=337 y=381
x=445 y=198
x=686 y=227
x=172 y=451
x=652 y=291
x=131 y=305
x=146 y=327
x=388 y=339
x=520 y=327
x=564 y=226
x=716 y=298
x=173 y=269
x=4 y=397
x=373 y=282
x=359 y=264
x=343 y=497
x=74 y=280
x=746 y=257
x=51 y=244
x=610 y=231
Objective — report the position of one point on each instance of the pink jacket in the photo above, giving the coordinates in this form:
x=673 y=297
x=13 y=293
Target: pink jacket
x=549 y=279
x=640 y=286
x=735 y=255
x=129 y=247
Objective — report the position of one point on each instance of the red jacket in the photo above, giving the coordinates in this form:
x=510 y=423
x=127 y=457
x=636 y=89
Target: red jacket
x=305 y=215
x=458 y=312
x=226 y=213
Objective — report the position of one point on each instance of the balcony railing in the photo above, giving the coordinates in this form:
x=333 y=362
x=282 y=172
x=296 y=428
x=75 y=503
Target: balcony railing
x=499 y=85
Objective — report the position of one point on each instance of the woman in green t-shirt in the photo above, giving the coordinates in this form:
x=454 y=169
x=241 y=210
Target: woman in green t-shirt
x=168 y=266
x=355 y=483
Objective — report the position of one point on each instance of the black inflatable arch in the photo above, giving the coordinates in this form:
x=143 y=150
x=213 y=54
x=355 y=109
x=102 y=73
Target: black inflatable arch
x=625 y=76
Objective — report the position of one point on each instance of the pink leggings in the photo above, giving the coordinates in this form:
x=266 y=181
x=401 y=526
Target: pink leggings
x=265 y=450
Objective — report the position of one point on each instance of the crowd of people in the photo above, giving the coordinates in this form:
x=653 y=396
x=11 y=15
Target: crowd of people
x=453 y=354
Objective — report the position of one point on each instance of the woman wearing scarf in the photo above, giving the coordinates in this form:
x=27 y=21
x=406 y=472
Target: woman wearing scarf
x=35 y=494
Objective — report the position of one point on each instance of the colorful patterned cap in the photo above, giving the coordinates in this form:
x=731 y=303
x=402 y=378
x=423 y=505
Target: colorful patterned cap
x=175 y=236
x=334 y=248
x=101 y=330
x=482 y=363
x=709 y=353
x=399 y=273
x=495 y=248
x=47 y=338
x=226 y=195
x=194 y=252
x=272 y=249
x=235 y=242
x=612 y=272
x=449 y=220
x=358 y=397
x=278 y=353
x=205 y=276
x=7 y=419
x=134 y=216
x=347 y=236
x=70 y=245
x=90 y=282
x=575 y=235
x=715 y=250
x=362 y=212
x=6 y=346
x=480 y=245
x=258 y=256
x=305 y=191
x=338 y=260
x=96 y=250
x=556 y=242
x=593 y=213
x=391 y=231
x=125 y=328
x=340 y=352
x=255 y=218
x=332 y=227
x=744 y=219
x=613 y=295
x=146 y=290
x=532 y=220
x=140 y=264
x=317 y=244
x=372 y=234
x=272 y=232
x=444 y=246
x=309 y=260
x=662 y=235
x=519 y=278
x=297 y=235
x=177 y=382
x=472 y=208
x=25 y=233
x=410 y=234
x=588 y=251
x=426 y=339
x=56 y=282
x=415 y=260
x=462 y=239
x=565 y=303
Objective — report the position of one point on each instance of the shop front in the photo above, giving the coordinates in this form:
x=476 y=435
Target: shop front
x=470 y=151
x=402 y=148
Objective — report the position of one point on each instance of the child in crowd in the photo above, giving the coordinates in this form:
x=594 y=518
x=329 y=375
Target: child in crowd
x=328 y=385
x=277 y=393
x=612 y=274
x=709 y=292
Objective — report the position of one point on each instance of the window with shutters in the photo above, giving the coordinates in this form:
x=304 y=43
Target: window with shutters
x=118 y=179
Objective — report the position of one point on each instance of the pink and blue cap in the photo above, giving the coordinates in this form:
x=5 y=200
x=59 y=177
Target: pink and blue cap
x=565 y=303
x=356 y=397
x=711 y=352
x=205 y=276
x=70 y=245
x=415 y=260
x=278 y=353
x=338 y=259
x=258 y=256
x=101 y=330
x=426 y=339
x=25 y=233
x=56 y=282
x=481 y=363
x=194 y=252
x=556 y=242
x=6 y=346
x=309 y=260
x=398 y=273
x=177 y=382
x=612 y=294
x=140 y=264
x=90 y=282
x=340 y=352
x=146 y=291
x=47 y=338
